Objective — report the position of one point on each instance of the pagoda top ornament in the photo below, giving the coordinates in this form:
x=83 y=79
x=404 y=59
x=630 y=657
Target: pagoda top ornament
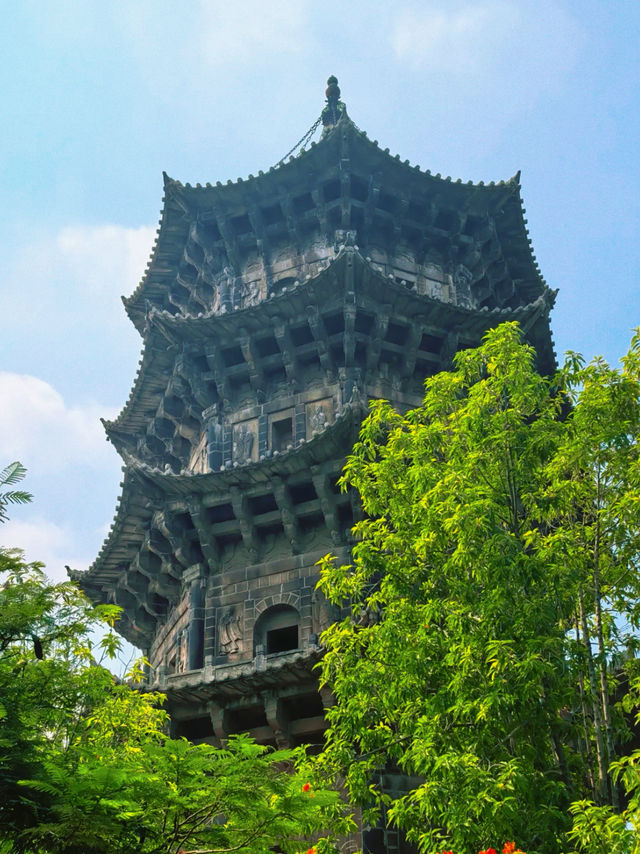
x=334 y=107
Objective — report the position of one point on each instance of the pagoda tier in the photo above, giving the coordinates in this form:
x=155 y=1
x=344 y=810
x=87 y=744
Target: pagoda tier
x=272 y=311
x=230 y=246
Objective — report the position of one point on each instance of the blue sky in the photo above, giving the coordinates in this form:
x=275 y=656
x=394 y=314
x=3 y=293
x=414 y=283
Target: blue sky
x=99 y=97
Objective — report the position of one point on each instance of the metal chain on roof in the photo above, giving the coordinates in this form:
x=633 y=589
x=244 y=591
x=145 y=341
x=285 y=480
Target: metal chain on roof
x=301 y=142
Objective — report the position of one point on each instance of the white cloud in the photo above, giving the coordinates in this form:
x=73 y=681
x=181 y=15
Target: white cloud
x=455 y=41
x=208 y=34
x=521 y=48
x=45 y=434
x=250 y=29
x=104 y=258
x=81 y=259
x=43 y=541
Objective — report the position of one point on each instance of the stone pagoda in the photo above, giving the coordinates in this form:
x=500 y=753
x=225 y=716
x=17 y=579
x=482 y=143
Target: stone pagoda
x=271 y=311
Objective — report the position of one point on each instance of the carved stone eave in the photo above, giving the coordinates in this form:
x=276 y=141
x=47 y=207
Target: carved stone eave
x=346 y=156
x=146 y=490
x=222 y=683
x=166 y=334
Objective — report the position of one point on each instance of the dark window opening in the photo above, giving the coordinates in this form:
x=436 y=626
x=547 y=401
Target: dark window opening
x=417 y=212
x=302 y=492
x=331 y=191
x=312 y=360
x=241 y=720
x=220 y=513
x=301 y=335
x=360 y=354
x=267 y=346
x=333 y=485
x=276 y=375
x=310 y=523
x=229 y=541
x=334 y=324
x=425 y=369
x=357 y=217
x=430 y=344
x=240 y=386
x=282 y=640
x=272 y=214
x=200 y=364
x=159 y=604
x=445 y=220
x=281 y=434
x=337 y=354
x=396 y=334
x=304 y=706
x=163 y=428
x=345 y=517
x=359 y=188
x=232 y=356
x=363 y=322
x=302 y=204
x=240 y=224
x=471 y=225
x=267 y=531
x=262 y=504
x=195 y=729
x=387 y=203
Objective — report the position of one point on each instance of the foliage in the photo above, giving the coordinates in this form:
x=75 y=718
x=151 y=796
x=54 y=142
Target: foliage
x=86 y=766
x=501 y=531
x=11 y=474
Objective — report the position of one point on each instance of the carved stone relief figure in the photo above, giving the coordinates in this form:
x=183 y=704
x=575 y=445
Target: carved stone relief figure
x=199 y=463
x=318 y=419
x=324 y=613
x=181 y=651
x=345 y=238
x=249 y=293
x=243 y=440
x=355 y=396
x=230 y=632
x=462 y=278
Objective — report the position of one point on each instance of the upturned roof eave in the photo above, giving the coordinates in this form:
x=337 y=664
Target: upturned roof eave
x=235 y=194
x=135 y=505
x=162 y=324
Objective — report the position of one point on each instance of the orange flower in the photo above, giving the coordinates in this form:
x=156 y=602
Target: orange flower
x=488 y=851
x=311 y=850
x=509 y=848
x=306 y=788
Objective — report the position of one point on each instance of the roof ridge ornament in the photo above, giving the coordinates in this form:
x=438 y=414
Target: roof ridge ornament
x=334 y=107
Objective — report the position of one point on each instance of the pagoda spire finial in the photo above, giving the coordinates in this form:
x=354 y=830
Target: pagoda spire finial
x=334 y=108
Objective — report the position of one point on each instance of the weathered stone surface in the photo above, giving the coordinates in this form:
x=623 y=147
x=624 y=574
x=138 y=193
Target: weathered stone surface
x=272 y=311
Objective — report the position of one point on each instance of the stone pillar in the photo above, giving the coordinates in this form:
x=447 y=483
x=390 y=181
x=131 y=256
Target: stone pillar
x=263 y=435
x=300 y=426
x=214 y=437
x=194 y=577
x=277 y=719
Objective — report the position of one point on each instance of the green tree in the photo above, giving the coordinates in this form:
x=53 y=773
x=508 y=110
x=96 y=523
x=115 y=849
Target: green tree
x=501 y=530
x=10 y=475
x=85 y=762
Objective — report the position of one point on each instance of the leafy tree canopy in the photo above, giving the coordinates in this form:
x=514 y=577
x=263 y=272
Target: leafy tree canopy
x=85 y=763
x=480 y=656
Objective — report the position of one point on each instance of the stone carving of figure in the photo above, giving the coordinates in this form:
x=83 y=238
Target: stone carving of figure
x=249 y=293
x=462 y=280
x=324 y=613
x=181 y=652
x=243 y=444
x=318 y=419
x=230 y=633
x=356 y=395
